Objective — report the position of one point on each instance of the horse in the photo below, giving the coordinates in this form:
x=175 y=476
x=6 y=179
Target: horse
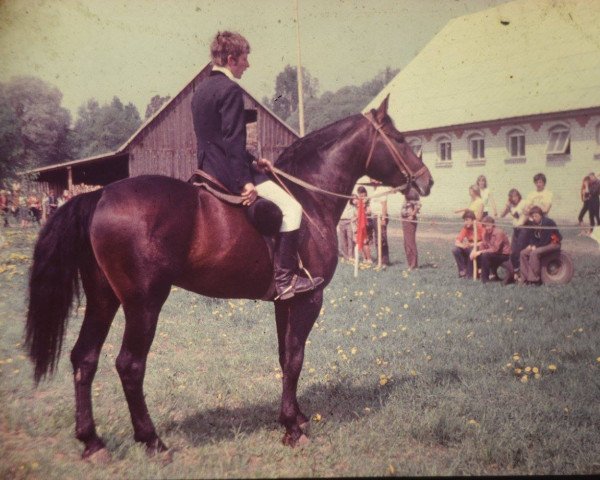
x=134 y=239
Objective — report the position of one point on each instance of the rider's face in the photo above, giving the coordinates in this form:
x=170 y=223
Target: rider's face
x=238 y=65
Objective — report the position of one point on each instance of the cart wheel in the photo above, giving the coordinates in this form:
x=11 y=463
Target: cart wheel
x=557 y=268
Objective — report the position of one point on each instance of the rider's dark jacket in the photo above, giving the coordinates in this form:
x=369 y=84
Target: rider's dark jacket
x=220 y=126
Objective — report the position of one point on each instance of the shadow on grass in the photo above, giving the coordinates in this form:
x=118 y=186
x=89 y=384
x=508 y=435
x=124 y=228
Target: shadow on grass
x=338 y=403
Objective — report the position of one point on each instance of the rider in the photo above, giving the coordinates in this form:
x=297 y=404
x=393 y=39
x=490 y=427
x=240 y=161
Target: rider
x=219 y=123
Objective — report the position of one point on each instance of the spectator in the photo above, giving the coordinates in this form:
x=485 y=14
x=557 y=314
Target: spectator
x=379 y=209
x=539 y=242
x=516 y=207
x=585 y=198
x=476 y=205
x=345 y=232
x=64 y=198
x=35 y=207
x=594 y=201
x=409 y=213
x=486 y=196
x=4 y=208
x=495 y=249
x=464 y=243
x=541 y=196
x=365 y=249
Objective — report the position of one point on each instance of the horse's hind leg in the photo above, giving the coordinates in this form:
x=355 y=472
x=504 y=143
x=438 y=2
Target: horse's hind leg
x=102 y=305
x=303 y=311
x=141 y=317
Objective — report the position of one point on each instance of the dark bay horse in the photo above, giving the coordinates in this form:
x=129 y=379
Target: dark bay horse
x=131 y=241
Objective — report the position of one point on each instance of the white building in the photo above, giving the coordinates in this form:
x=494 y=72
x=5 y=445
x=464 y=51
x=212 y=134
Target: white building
x=507 y=92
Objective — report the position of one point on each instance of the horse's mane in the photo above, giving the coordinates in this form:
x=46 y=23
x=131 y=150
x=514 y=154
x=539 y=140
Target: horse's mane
x=307 y=148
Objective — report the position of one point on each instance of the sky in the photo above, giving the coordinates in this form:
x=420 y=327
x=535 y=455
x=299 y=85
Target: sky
x=136 y=49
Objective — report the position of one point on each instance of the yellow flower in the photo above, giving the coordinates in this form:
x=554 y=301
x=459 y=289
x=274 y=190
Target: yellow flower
x=552 y=367
x=406 y=305
x=353 y=350
x=537 y=376
x=383 y=379
x=527 y=369
x=535 y=370
x=317 y=417
x=524 y=379
x=473 y=422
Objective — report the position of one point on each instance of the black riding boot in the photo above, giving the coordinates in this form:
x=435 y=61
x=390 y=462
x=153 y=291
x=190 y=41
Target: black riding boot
x=287 y=281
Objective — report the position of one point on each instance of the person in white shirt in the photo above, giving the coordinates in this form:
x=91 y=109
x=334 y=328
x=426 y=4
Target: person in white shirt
x=541 y=196
x=486 y=197
x=516 y=207
x=379 y=209
x=345 y=232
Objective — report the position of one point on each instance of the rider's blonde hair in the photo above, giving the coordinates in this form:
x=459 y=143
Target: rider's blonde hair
x=225 y=44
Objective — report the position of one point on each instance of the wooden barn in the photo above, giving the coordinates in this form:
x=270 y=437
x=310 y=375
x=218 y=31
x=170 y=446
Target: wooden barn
x=166 y=145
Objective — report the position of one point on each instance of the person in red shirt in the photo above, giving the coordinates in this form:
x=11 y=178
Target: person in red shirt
x=463 y=245
x=495 y=249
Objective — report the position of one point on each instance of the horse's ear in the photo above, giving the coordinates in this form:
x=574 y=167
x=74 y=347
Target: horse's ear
x=382 y=110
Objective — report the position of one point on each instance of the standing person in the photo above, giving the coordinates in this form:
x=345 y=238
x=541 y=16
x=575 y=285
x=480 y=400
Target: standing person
x=365 y=248
x=495 y=249
x=516 y=207
x=4 y=209
x=464 y=243
x=52 y=203
x=344 y=231
x=379 y=210
x=585 y=198
x=541 y=196
x=35 y=207
x=220 y=127
x=539 y=242
x=64 y=198
x=476 y=205
x=486 y=197
x=409 y=214
x=594 y=201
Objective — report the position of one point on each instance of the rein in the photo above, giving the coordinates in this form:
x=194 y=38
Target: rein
x=400 y=162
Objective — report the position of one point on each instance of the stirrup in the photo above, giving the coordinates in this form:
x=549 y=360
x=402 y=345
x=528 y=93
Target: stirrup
x=289 y=291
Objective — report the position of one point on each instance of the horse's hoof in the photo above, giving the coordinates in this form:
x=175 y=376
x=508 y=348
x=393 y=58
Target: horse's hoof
x=156 y=447
x=288 y=441
x=99 y=457
x=304 y=426
x=303 y=441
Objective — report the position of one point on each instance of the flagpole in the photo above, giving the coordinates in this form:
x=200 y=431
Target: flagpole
x=299 y=74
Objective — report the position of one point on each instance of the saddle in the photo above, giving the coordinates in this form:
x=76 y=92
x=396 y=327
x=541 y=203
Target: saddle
x=263 y=214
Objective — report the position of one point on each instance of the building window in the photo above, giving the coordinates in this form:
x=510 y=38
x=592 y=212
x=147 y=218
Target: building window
x=417 y=147
x=516 y=143
x=477 y=147
x=559 y=141
x=444 y=150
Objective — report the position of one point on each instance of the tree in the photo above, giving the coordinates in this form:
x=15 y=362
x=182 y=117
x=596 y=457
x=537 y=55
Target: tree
x=156 y=102
x=285 y=100
x=40 y=125
x=101 y=129
x=333 y=106
x=11 y=146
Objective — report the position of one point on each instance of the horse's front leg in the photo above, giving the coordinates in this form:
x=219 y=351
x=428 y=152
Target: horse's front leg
x=282 y=312
x=302 y=311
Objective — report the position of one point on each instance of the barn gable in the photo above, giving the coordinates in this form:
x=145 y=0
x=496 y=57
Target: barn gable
x=165 y=144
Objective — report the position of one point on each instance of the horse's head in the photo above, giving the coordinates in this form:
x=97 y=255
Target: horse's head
x=390 y=159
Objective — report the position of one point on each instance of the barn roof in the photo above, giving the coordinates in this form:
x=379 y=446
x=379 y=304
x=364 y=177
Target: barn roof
x=526 y=57
x=141 y=130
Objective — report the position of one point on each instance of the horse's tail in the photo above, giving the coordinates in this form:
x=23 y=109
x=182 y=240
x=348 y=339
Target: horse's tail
x=63 y=243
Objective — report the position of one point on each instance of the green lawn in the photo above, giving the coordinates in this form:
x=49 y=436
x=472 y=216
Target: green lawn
x=406 y=373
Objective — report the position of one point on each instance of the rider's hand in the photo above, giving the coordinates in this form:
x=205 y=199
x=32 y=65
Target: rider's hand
x=249 y=194
x=264 y=165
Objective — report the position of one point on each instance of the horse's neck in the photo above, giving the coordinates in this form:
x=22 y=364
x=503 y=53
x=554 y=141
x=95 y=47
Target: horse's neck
x=340 y=166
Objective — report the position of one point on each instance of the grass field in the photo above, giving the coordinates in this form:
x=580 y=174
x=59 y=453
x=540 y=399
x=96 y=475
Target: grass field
x=406 y=373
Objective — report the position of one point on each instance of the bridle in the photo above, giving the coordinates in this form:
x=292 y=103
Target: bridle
x=398 y=159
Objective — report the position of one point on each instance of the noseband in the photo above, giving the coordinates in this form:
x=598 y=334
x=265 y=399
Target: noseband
x=400 y=162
